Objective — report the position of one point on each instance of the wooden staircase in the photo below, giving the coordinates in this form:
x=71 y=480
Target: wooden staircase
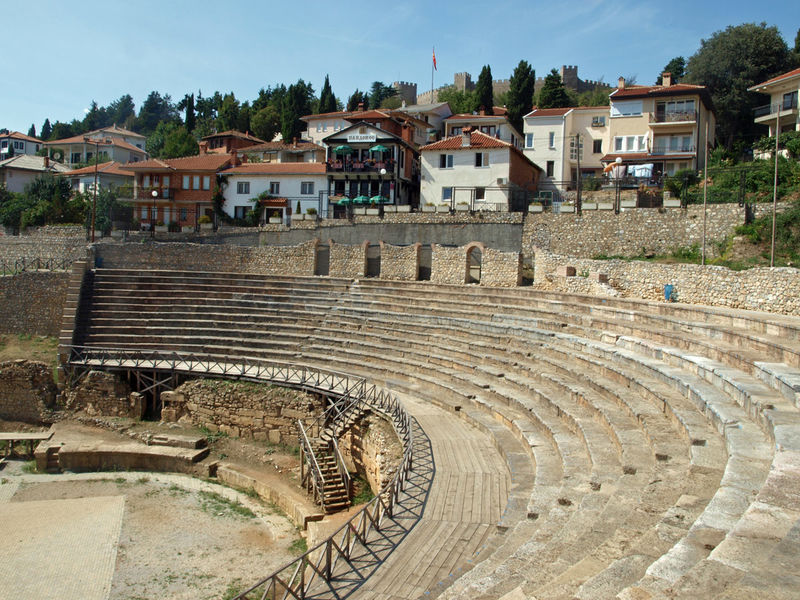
x=335 y=492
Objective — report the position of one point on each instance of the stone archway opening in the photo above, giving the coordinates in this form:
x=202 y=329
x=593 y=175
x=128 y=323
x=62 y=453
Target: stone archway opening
x=474 y=263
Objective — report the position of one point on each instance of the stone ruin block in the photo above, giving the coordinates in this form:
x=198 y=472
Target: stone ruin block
x=598 y=277
x=565 y=271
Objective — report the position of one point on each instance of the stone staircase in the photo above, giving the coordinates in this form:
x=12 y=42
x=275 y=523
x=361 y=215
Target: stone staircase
x=652 y=449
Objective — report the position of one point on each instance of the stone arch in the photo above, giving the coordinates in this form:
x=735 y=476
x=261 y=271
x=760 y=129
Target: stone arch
x=322 y=257
x=474 y=254
x=372 y=259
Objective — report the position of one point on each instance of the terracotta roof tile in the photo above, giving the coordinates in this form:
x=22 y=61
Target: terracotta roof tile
x=277 y=169
x=639 y=156
x=29 y=162
x=236 y=134
x=477 y=140
x=776 y=79
x=108 y=141
x=200 y=162
x=302 y=146
x=111 y=167
x=16 y=135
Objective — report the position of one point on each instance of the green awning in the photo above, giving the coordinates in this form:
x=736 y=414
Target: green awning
x=379 y=148
x=343 y=149
x=361 y=200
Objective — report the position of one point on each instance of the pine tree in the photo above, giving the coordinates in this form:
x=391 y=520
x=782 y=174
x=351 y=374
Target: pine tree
x=327 y=101
x=553 y=93
x=32 y=130
x=484 y=91
x=47 y=130
x=520 y=93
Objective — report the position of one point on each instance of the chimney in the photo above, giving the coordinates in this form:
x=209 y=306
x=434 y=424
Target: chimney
x=407 y=134
x=666 y=79
x=360 y=106
x=244 y=158
x=203 y=146
x=46 y=162
x=294 y=142
x=235 y=162
x=482 y=111
x=621 y=83
x=466 y=137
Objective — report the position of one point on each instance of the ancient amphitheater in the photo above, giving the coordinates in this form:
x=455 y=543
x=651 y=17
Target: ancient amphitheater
x=557 y=445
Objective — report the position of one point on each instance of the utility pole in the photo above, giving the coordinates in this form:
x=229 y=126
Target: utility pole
x=775 y=186
x=578 y=202
x=705 y=193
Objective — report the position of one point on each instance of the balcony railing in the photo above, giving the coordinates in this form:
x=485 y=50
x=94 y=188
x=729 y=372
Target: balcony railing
x=673 y=117
x=660 y=150
x=338 y=166
x=772 y=109
x=163 y=193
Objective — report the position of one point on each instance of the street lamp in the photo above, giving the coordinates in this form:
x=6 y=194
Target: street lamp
x=154 y=193
x=617 y=202
x=96 y=141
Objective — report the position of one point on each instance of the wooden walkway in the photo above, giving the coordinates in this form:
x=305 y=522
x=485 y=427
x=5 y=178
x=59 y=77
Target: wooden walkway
x=465 y=501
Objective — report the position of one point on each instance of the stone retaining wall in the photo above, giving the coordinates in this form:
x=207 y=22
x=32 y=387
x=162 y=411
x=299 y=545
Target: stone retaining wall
x=371 y=449
x=101 y=393
x=347 y=261
x=27 y=391
x=764 y=289
x=400 y=263
x=33 y=303
x=448 y=265
x=30 y=247
x=630 y=233
x=243 y=409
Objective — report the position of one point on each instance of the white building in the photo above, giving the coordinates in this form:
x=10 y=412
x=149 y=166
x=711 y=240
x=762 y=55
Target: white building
x=495 y=125
x=109 y=175
x=782 y=111
x=14 y=143
x=114 y=143
x=18 y=171
x=281 y=187
x=562 y=140
x=283 y=152
x=477 y=171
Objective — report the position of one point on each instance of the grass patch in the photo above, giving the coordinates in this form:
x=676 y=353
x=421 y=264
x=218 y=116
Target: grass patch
x=29 y=467
x=142 y=480
x=212 y=436
x=299 y=546
x=176 y=490
x=362 y=493
x=234 y=589
x=215 y=504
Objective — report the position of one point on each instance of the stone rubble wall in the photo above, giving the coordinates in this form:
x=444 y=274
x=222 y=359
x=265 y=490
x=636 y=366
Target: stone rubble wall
x=266 y=260
x=243 y=409
x=27 y=392
x=101 y=393
x=33 y=302
x=14 y=248
x=347 y=261
x=371 y=449
x=763 y=289
x=630 y=233
x=448 y=265
x=501 y=269
x=399 y=263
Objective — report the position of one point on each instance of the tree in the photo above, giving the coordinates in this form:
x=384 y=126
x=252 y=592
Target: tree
x=179 y=142
x=32 y=130
x=206 y=113
x=327 y=101
x=266 y=122
x=95 y=118
x=460 y=102
x=728 y=63
x=553 y=93
x=47 y=130
x=157 y=140
x=484 y=94
x=676 y=68
x=48 y=201
x=228 y=114
x=12 y=206
x=296 y=104
x=596 y=97
x=190 y=120
x=156 y=108
x=519 y=100
x=357 y=98
x=62 y=130
x=122 y=111
x=380 y=92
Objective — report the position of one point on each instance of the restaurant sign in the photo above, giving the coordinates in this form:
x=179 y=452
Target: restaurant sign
x=362 y=137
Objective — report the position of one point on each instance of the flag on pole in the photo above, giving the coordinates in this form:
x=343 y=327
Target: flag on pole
x=434 y=58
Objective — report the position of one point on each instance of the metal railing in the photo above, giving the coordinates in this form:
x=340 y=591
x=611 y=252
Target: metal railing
x=776 y=107
x=311 y=478
x=674 y=117
x=21 y=265
x=293 y=580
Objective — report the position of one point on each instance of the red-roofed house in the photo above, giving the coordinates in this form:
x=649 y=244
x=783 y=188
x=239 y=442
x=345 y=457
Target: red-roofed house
x=183 y=188
x=782 y=109
x=227 y=141
x=496 y=125
x=476 y=171
x=15 y=143
x=115 y=143
x=109 y=175
x=285 y=152
x=284 y=184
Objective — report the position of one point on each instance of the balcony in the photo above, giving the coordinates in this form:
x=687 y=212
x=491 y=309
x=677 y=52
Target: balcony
x=787 y=109
x=163 y=193
x=665 y=150
x=672 y=117
x=368 y=166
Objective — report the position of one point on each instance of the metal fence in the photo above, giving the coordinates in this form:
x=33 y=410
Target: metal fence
x=22 y=265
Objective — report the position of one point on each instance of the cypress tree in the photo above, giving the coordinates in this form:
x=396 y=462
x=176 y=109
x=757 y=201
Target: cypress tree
x=553 y=93
x=484 y=91
x=520 y=93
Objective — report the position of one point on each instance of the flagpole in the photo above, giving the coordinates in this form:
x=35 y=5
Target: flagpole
x=432 y=65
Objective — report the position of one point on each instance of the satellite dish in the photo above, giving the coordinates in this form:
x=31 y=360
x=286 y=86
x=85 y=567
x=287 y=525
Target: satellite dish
x=58 y=155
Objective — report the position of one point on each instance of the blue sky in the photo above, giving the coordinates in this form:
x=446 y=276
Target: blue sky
x=70 y=53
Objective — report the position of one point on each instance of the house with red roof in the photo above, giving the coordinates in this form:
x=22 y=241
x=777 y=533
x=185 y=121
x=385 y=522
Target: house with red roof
x=284 y=152
x=274 y=189
x=225 y=142
x=476 y=171
x=782 y=110
x=109 y=175
x=177 y=190
x=496 y=125
x=14 y=143
x=111 y=143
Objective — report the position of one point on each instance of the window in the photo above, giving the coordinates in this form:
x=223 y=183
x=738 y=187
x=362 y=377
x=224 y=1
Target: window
x=154 y=213
x=551 y=141
x=630 y=142
x=640 y=140
x=206 y=182
x=184 y=214
x=243 y=187
x=76 y=157
x=488 y=129
x=447 y=194
x=481 y=159
x=146 y=181
x=165 y=183
x=529 y=140
x=618 y=144
x=240 y=212
x=550 y=167
x=18 y=145
x=455 y=131
x=626 y=108
x=4 y=144
x=156 y=179
x=574 y=146
x=186 y=182
x=597 y=146
x=598 y=121
x=274 y=187
x=325 y=126
x=144 y=212
x=319 y=127
x=445 y=161
x=790 y=100
x=480 y=193
x=306 y=188
x=195 y=182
